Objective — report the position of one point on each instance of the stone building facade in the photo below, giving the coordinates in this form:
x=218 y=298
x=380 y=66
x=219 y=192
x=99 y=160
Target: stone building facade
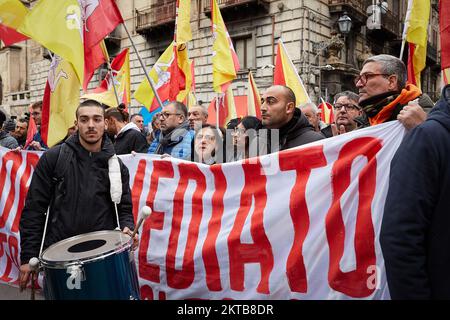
x=326 y=59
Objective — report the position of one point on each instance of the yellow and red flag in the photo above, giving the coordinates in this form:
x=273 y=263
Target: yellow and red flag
x=120 y=78
x=416 y=34
x=58 y=26
x=444 y=26
x=61 y=99
x=225 y=104
x=167 y=78
x=326 y=112
x=254 y=98
x=225 y=60
x=287 y=75
x=12 y=13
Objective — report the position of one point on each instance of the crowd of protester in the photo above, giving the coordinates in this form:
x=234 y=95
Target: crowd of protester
x=416 y=213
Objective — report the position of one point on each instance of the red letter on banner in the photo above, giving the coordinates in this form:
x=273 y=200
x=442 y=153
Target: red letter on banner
x=150 y=271
x=32 y=160
x=260 y=251
x=182 y=279
x=209 y=252
x=353 y=283
x=137 y=187
x=302 y=161
x=16 y=160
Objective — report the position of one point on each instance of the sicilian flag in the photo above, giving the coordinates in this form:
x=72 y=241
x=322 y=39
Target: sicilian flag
x=12 y=13
x=120 y=78
x=253 y=98
x=416 y=33
x=225 y=60
x=32 y=130
x=287 y=75
x=57 y=25
x=168 y=80
x=226 y=107
x=61 y=99
x=444 y=26
x=326 y=112
x=100 y=18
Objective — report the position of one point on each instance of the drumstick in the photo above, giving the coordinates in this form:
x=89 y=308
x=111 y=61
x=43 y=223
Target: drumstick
x=34 y=266
x=145 y=213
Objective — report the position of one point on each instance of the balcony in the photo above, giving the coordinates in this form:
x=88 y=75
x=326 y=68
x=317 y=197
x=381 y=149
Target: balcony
x=238 y=9
x=156 y=18
x=391 y=28
x=356 y=9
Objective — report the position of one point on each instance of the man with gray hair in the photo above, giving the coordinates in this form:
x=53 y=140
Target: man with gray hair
x=346 y=111
x=384 y=95
x=197 y=116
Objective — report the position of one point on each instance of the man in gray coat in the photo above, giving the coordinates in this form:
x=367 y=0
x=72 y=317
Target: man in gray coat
x=6 y=140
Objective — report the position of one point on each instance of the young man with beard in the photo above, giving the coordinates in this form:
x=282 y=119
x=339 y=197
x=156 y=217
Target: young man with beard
x=80 y=201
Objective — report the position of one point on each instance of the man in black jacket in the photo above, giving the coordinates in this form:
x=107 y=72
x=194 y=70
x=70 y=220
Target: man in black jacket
x=279 y=112
x=415 y=236
x=80 y=202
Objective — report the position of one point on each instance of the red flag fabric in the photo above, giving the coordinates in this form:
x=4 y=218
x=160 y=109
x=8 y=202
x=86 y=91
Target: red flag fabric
x=411 y=73
x=10 y=36
x=326 y=112
x=444 y=26
x=101 y=18
x=32 y=129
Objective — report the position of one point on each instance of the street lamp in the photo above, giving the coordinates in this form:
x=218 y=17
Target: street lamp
x=345 y=24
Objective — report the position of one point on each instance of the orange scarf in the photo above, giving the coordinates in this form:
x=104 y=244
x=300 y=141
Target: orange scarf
x=408 y=94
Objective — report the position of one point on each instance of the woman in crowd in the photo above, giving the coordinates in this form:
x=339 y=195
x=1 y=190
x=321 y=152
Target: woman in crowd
x=245 y=137
x=209 y=145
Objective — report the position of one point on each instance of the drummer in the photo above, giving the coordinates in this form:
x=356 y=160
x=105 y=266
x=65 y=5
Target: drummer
x=80 y=202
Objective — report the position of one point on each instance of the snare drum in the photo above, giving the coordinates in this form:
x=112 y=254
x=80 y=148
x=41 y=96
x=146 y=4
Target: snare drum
x=97 y=265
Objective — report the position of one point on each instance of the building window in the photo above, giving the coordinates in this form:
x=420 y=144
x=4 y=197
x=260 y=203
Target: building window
x=245 y=50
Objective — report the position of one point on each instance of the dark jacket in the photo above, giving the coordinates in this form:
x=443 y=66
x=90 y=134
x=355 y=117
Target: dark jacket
x=38 y=138
x=130 y=139
x=415 y=233
x=298 y=131
x=81 y=204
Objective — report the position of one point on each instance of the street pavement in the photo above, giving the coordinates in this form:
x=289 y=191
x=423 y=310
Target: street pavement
x=8 y=292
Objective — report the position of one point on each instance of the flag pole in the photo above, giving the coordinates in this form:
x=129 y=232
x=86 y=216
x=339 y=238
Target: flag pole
x=112 y=78
x=150 y=81
x=217 y=110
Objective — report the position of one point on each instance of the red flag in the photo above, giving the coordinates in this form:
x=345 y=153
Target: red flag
x=101 y=18
x=32 y=129
x=10 y=36
x=326 y=112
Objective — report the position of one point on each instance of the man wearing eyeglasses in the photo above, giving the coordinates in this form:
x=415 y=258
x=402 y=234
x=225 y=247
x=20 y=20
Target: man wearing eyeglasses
x=176 y=136
x=346 y=110
x=384 y=95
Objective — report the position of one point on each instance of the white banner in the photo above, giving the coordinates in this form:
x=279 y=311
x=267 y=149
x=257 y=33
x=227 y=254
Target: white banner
x=299 y=224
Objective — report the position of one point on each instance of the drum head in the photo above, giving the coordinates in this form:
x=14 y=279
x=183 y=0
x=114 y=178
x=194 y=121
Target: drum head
x=86 y=247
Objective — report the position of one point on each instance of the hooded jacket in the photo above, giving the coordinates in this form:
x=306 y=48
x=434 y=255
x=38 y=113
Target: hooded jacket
x=415 y=237
x=81 y=203
x=130 y=138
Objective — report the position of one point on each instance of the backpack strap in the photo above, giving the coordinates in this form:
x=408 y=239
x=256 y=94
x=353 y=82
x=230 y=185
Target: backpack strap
x=62 y=163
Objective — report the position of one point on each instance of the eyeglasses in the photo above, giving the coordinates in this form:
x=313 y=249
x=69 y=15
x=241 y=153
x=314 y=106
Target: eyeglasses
x=363 y=78
x=36 y=113
x=347 y=107
x=165 y=115
x=206 y=136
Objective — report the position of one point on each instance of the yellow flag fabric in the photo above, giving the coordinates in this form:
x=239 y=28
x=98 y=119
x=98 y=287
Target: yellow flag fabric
x=185 y=64
x=183 y=23
x=57 y=25
x=291 y=76
x=230 y=105
x=417 y=26
x=225 y=64
x=159 y=74
x=12 y=13
x=63 y=88
x=418 y=17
